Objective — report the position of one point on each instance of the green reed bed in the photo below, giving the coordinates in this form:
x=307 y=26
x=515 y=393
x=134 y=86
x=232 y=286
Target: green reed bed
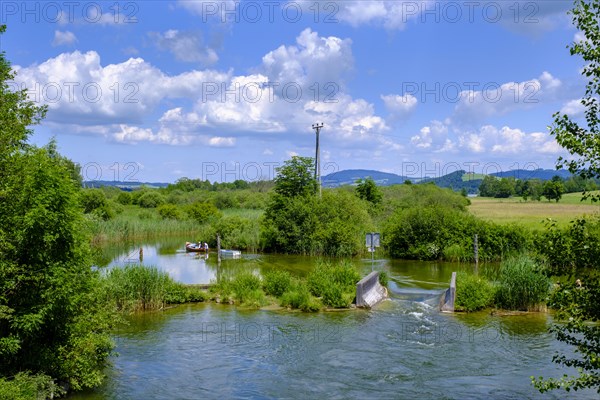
x=144 y=224
x=140 y=288
x=329 y=285
x=520 y=284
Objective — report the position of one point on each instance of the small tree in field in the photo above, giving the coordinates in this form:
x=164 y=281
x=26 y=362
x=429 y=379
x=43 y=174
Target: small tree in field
x=553 y=190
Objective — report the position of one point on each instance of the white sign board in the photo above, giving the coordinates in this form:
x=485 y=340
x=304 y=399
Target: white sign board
x=372 y=239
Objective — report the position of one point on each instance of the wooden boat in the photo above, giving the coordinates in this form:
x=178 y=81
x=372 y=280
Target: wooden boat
x=194 y=248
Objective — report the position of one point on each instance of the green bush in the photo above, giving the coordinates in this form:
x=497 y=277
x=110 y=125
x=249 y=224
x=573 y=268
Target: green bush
x=332 y=225
x=473 y=292
x=277 y=282
x=169 y=211
x=28 y=387
x=92 y=199
x=124 y=198
x=202 y=212
x=151 y=199
x=427 y=233
x=522 y=284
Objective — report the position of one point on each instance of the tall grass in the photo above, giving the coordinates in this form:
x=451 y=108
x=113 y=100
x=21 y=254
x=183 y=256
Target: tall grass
x=522 y=285
x=139 y=288
x=334 y=283
x=243 y=288
x=135 y=223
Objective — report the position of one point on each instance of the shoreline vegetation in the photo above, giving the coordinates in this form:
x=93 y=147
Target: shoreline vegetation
x=138 y=288
x=421 y=222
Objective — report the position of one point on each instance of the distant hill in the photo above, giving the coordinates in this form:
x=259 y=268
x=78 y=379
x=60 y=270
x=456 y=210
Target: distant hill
x=526 y=174
x=350 y=176
x=456 y=180
x=123 y=185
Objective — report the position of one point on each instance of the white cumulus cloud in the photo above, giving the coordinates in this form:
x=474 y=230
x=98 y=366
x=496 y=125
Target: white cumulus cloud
x=63 y=38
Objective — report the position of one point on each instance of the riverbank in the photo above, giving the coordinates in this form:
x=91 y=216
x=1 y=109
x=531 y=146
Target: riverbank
x=329 y=285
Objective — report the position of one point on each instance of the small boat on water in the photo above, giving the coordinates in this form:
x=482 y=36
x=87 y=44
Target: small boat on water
x=194 y=247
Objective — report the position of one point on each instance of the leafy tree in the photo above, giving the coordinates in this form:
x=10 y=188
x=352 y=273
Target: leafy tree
x=296 y=178
x=581 y=140
x=505 y=188
x=553 y=190
x=52 y=321
x=531 y=188
x=367 y=190
x=488 y=186
x=297 y=221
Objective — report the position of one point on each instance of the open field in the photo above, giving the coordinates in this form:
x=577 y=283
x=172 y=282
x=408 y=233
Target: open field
x=532 y=213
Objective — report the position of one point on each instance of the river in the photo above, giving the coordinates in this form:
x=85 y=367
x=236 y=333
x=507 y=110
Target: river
x=403 y=348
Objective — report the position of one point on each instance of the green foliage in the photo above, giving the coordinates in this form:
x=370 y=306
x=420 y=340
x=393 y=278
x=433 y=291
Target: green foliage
x=27 y=387
x=247 y=290
x=488 y=186
x=92 y=199
x=151 y=199
x=169 y=211
x=124 y=198
x=138 y=288
x=553 y=190
x=428 y=233
x=368 y=190
x=522 y=285
x=237 y=232
x=473 y=292
x=296 y=178
x=581 y=140
x=202 y=212
x=334 y=283
x=50 y=309
x=384 y=279
x=276 y=282
x=299 y=297
x=531 y=188
x=574 y=247
x=333 y=225
x=577 y=305
x=500 y=188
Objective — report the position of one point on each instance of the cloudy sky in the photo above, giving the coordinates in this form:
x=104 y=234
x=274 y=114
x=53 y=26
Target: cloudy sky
x=224 y=90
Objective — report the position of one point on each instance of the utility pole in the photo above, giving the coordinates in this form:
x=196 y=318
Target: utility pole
x=317 y=127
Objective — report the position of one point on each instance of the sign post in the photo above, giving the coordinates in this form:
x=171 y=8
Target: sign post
x=373 y=241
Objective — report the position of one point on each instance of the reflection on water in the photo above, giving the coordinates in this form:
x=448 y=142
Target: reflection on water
x=404 y=348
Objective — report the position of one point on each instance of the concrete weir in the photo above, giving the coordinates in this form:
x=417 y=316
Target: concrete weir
x=369 y=291
x=448 y=297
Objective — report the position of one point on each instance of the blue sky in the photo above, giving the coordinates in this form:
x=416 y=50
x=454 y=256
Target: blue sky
x=224 y=90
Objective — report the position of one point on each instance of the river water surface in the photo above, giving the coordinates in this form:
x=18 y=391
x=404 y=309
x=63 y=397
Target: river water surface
x=403 y=348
